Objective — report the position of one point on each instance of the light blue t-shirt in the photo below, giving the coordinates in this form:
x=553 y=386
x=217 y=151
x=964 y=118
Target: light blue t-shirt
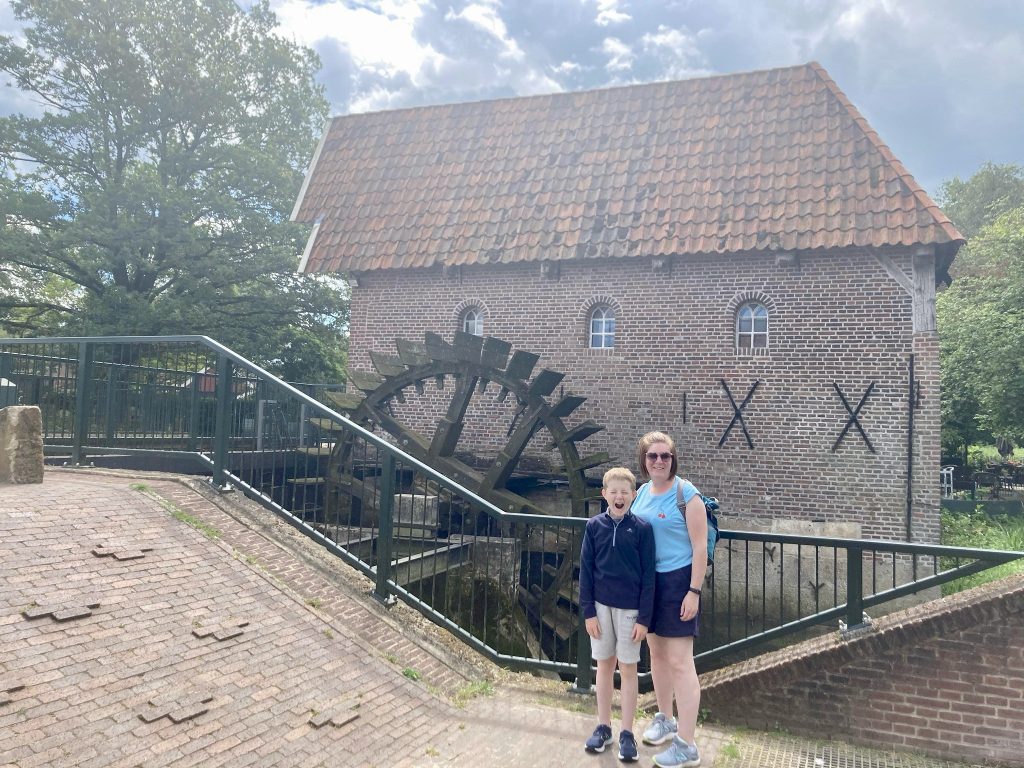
x=672 y=549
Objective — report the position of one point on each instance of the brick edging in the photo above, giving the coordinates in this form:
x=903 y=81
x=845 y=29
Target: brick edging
x=963 y=609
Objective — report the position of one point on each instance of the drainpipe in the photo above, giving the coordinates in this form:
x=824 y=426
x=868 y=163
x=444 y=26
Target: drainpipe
x=910 y=450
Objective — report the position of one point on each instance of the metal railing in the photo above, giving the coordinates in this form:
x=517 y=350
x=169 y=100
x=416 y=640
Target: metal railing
x=504 y=583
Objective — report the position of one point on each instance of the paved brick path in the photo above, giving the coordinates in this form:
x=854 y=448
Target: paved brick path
x=206 y=651
x=152 y=644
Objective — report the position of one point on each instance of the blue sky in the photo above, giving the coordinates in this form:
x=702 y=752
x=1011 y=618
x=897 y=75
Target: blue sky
x=942 y=81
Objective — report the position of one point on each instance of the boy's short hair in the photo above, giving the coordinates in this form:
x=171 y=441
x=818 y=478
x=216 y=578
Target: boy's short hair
x=618 y=473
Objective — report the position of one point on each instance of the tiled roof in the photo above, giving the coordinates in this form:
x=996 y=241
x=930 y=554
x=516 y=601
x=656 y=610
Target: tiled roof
x=776 y=160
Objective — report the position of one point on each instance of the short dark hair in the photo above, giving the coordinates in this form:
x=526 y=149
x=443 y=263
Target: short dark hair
x=646 y=442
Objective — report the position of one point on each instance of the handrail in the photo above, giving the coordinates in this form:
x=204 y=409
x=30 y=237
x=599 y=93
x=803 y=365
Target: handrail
x=301 y=396
x=69 y=373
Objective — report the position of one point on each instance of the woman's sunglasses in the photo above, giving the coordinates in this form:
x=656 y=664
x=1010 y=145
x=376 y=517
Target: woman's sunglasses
x=655 y=456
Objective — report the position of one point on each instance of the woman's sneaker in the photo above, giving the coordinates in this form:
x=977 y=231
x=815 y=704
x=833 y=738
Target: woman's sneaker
x=678 y=755
x=627 y=747
x=601 y=738
x=660 y=730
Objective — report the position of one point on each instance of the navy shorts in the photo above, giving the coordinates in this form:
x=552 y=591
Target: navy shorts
x=669 y=590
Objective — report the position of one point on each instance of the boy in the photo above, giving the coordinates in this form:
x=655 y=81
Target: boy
x=617 y=600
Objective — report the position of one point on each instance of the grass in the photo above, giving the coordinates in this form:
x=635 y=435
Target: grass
x=314 y=602
x=191 y=520
x=411 y=673
x=987 y=454
x=730 y=750
x=976 y=529
x=470 y=691
x=178 y=514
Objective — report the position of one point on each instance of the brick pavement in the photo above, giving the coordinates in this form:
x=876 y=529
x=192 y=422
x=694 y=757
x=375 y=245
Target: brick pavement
x=155 y=645
x=206 y=651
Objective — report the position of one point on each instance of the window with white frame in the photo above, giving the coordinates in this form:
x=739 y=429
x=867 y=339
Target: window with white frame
x=752 y=327
x=602 y=328
x=473 y=321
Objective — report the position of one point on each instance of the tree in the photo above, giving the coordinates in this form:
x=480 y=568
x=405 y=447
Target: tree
x=990 y=192
x=981 y=319
x=151 y=195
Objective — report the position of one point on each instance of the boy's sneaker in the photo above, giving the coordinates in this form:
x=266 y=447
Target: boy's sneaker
x=678 y=755
x=600 y=739
x=627 y=747
x=660 y=730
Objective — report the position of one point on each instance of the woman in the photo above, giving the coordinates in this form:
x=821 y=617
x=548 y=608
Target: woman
x=680 y=562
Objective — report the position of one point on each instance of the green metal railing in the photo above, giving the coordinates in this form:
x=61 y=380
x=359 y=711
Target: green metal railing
x=504 y=583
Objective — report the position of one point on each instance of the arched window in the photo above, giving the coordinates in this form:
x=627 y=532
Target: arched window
x=602 y=328
x=473 y=321
x=752 y=326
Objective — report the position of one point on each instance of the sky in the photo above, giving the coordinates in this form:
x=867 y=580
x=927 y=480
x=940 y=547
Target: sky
x=941 y=81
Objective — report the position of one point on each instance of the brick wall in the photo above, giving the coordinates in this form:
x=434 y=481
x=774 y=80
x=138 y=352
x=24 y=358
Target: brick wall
x=944 y=678
x=836 y=317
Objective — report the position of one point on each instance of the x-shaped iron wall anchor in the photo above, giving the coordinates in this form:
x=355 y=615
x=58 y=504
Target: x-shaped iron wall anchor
x=738 y=413
x=853 y=421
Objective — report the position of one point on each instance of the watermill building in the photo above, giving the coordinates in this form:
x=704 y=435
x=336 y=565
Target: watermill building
x=739 y=260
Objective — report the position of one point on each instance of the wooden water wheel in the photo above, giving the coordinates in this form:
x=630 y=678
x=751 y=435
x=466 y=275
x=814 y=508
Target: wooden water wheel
x=475 y=367
x=456 y=373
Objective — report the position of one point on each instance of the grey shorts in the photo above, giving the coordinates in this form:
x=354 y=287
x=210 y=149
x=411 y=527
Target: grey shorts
x=616 y=635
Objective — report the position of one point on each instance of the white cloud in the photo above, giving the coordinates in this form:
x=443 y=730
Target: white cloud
x=381 y=39
x=620 y=55
x=608 y=13
x=677 y=50
x=567 y=68
x=486 y=16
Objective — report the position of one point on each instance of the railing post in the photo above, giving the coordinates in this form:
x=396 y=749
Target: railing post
x=222 y=428
x=584 y=674
x=193 y=412
x=854 y=588
x=385 y=529
x=83 y=376
x=111 y=429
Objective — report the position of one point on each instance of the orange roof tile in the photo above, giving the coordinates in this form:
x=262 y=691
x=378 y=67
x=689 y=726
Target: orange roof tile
x=774 y=160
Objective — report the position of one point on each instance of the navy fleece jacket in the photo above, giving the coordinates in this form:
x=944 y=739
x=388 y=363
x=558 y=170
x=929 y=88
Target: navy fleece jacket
x=617 y=566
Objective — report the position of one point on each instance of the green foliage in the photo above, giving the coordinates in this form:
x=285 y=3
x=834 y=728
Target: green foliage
x=977 y=529
x=981 y=314
x=980 y=456
x=411 y=673
x=977 y=202
x=980 y=319
x=152 y=194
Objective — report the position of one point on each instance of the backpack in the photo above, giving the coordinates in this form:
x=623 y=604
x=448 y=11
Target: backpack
x=710 y=506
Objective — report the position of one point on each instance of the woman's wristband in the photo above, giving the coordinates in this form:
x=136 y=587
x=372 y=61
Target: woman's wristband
x=695 y=591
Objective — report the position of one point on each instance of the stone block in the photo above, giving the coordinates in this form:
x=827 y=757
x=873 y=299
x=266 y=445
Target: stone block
x=21 y=444
x=416 y=509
